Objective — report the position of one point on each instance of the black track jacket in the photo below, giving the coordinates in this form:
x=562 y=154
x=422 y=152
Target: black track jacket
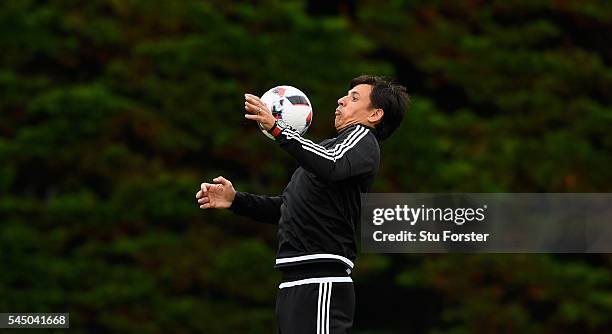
x=318 y=211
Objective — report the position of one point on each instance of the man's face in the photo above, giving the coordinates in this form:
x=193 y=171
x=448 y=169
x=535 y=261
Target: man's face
x=354 y=107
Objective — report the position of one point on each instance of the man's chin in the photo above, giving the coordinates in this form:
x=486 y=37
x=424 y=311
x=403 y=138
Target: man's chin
x=338 y=123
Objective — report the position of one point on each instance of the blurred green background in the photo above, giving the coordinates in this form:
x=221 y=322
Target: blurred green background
x=113 y=112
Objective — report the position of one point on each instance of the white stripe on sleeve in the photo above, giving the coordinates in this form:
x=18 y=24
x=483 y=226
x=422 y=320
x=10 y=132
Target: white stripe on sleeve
x=331 y=154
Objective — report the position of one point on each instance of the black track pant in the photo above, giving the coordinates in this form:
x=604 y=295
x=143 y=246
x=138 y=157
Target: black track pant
x=315 y=305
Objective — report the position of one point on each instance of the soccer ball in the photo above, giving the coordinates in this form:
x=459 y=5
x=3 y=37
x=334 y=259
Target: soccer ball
x=290 y=105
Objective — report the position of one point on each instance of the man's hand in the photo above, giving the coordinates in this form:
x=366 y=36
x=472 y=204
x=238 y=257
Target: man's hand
x=219 y=195
x=258 y=111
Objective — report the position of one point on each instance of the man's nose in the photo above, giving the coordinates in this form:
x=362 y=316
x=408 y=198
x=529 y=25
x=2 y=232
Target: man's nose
x=341 y=101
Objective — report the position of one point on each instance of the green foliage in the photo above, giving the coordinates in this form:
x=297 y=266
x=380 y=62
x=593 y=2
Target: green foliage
x=515 y=86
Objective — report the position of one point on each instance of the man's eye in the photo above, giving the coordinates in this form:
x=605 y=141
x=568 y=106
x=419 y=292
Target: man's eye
x=354 y=99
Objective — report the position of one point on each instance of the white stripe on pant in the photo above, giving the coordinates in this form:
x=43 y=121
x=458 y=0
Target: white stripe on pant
x=297 y=302
x=325 y=290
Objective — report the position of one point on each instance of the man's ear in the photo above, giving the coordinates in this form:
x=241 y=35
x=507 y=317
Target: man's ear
x=376 y=116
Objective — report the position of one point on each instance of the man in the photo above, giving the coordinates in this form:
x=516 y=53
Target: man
x=318 y=211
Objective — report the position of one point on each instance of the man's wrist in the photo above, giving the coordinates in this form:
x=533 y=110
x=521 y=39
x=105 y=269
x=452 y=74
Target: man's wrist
x=236 y=201
x=275 y=130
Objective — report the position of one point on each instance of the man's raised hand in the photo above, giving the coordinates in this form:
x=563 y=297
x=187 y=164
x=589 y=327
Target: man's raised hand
x=258 y=111
x=217 y=195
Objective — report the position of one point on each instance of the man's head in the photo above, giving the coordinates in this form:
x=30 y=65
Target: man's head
x=375 y=102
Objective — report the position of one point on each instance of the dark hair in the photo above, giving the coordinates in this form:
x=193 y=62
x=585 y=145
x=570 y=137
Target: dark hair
x=388 y=96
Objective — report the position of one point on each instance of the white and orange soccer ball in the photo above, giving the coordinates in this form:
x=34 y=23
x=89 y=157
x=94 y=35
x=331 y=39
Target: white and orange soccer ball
x=290 y=105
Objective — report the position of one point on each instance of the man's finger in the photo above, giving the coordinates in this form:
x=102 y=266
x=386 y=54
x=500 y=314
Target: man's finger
x=222 y=180
x=205 y=206
x=203 y=200
x=255 y=108
x=253 y=99
x=250 y=97
x=249 y=108
x=199 y=194
x=253 y=117
x=205 y=186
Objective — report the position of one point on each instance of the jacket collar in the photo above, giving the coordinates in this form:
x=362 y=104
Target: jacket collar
x=353 y=126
